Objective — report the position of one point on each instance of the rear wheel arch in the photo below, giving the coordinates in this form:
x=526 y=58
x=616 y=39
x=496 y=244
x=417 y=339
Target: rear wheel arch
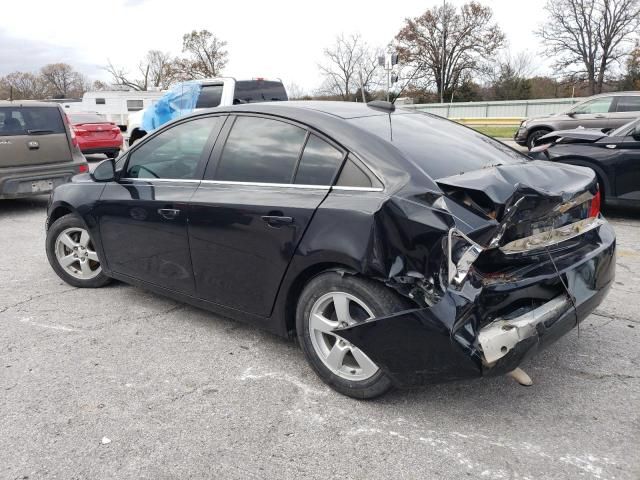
x=301 y=281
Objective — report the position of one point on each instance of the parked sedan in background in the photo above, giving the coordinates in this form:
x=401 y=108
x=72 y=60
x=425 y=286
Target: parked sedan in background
x=607 y=111
x=401 y=248
x=95 y=134
x=614 y=157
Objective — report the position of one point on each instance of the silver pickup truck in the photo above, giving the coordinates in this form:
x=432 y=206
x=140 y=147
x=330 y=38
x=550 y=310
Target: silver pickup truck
x=38 y=151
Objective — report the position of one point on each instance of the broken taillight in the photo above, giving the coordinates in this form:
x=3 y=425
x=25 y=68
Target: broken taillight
x=594 y=210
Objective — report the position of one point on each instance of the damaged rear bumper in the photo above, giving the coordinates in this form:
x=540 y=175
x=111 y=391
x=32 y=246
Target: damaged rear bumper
x=468 y=333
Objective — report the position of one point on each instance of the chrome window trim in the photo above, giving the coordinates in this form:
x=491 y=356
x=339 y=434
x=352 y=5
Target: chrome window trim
x=254 y=184
x=161 y=180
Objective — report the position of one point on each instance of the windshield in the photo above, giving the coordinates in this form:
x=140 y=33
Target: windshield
x=441 y=148
x=626 y=129
x=79 y=118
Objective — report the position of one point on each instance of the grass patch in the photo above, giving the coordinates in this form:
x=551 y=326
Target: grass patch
x=497 y=131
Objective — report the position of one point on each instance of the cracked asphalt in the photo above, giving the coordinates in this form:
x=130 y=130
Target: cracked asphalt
x=121 y=383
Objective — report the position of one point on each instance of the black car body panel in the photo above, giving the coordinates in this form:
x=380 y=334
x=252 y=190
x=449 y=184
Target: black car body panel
x=442 y=244
x=614 y=157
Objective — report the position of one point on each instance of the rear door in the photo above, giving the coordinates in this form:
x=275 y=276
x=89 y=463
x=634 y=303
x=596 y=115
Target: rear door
x=260 y=191
x=627 y=168
x=32 y=136
x=625 y=109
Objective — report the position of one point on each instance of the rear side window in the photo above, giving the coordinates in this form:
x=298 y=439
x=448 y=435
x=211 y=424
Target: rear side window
x=319 y=163
x=628 y=104
x=353 y=176
x=260 y=150
x=210 y=96
x=30 y=121
x=251 y=91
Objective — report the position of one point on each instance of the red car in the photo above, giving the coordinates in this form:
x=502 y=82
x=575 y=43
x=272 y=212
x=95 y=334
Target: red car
x=95 y=134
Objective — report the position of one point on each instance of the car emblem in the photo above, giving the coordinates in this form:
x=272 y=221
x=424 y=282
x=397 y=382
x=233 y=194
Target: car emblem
x=33 y=144
x=99 y=128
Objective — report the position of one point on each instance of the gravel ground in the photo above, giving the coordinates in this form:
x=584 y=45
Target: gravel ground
x=121 y=383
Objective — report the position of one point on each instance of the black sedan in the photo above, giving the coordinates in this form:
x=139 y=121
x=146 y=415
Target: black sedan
x=399 y=247
x=614 y=157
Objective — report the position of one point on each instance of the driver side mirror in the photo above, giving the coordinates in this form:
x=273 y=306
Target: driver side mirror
x=105 y=171
x=636 y=132
x=571 y=114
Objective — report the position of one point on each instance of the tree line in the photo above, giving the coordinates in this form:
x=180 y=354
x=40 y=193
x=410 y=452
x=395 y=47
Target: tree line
x=461 y=54
x=445 y=54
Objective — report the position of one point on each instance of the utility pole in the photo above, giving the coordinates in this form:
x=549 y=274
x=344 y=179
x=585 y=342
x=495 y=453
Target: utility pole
x=444 y=22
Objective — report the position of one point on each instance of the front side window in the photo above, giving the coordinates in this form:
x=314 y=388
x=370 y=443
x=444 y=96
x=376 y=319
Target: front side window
x=174 y=153
x=260 y=150
x=319 y=163
x=597 y=105
x=628 y=104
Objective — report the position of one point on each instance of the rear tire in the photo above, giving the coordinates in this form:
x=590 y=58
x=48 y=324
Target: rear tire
x=72 y=255
x=535 y=135
x=332 y=300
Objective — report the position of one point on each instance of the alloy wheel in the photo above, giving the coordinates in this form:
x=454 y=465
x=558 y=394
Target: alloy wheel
x=337 y=310
x=76 y=254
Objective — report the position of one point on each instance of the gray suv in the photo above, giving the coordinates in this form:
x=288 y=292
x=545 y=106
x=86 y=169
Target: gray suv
x=38 y=151
x=605 y=111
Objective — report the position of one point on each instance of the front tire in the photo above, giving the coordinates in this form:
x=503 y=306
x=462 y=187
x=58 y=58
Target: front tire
x=330 y=301
x=534 y=136
x=72 y=254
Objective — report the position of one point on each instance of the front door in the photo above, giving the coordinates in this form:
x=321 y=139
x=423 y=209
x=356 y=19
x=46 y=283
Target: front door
x=627 y=169
x=249 y=214
x=143 y=216
x=592 y=114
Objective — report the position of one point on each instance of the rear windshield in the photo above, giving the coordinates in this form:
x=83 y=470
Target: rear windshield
x=437 y=146
x=30 y=121
x=251 y=91
x=79 y=118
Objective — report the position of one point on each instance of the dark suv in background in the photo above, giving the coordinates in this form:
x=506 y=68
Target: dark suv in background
x=607 y=111
x=38 y=151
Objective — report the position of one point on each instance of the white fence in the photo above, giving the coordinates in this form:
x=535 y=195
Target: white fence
x=509 y=108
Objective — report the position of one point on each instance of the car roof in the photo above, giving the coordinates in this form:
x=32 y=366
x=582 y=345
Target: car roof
x=615 y=94
x=27 y=103
x=332 y=119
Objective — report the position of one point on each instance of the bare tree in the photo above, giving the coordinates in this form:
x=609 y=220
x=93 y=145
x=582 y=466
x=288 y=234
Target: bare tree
x=295 y=91
x=349 y=57
x=62 y=80
x=587 y=36
x=444 y=46
x=509 y=76
x=156 y=69
x=206 y=55
x=24 y=86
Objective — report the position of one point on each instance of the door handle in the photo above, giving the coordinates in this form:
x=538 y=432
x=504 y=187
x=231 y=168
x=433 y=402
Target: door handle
x=600 y=116
x=168 y=213
x=276 y=220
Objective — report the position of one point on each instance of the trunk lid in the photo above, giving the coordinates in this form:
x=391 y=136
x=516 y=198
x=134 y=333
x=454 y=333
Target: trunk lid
x=32 y=136
x=523 y=199
x=102 y=131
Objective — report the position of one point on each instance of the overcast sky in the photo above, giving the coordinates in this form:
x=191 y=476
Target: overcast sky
x=274 y=39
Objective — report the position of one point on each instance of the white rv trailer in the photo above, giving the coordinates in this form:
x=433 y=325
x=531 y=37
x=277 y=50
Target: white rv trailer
x=115 y=105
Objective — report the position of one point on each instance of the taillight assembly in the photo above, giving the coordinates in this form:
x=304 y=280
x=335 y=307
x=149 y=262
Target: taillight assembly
x=74 y=140
x=83 y=168
x=594 y=209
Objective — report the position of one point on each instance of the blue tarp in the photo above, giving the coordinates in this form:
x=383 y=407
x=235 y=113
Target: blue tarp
x=178 y=101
